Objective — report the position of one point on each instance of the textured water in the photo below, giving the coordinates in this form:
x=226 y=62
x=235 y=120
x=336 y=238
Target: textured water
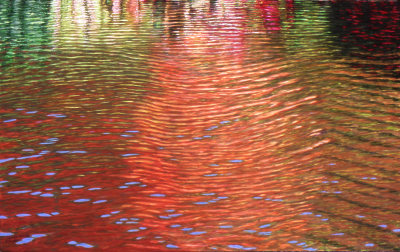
x=199 y=125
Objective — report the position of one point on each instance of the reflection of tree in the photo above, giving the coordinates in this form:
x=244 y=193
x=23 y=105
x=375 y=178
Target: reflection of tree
x=270 y=14
x=24 y=33
x=307 y=35
x=367 y=33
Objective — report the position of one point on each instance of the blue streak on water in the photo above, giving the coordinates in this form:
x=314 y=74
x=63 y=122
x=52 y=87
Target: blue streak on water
x=225 y=226
x=175 y=215
x=18 y=192
x=95 y=188
x=171 y=246
x=132 y=183
x=225 y=122
x=200 y=203
x=6 y=160
x=213 y=127
x=266 y=225
x=132 y=131
x=72 y=243
x=264 y=233
x=2 y=217
x=105 y=215
x=306 y=213
x=186 y=229
x=157 y=195
x=235 y=246
x=74 y=152
x=11 y=120
x=38 y=235
x=23 y=215
x=292 y=241
x=22 y=166
x=129 y=154
x=99 y=201
x=85 y=245
x=207 y=194
x=211 y=175
x=62 y=152
x=81 y=200
x=33 y=156
x=250 y=231
x=47 y=195
x=44 y=215
x=57 y=115
x=77 y=186
x=25 y=240
x=198 y=232
x=170 y=210
x=5 y=234
x=236 y=161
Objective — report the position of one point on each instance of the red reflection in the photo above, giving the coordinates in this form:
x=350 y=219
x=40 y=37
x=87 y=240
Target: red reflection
x=372 y=27
x=270 y=14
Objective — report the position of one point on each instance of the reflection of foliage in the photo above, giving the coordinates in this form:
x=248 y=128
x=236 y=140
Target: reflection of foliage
x=24 y=35
x=309 y=31
x=367 y=34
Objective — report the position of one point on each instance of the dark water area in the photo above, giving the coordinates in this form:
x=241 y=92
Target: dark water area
x=215 y=125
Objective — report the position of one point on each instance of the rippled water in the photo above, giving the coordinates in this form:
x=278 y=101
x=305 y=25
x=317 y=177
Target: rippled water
x=199 y=125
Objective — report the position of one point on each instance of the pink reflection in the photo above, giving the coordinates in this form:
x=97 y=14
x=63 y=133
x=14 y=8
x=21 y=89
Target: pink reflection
x=116 y=7
x=133 y=7
x=270 y=14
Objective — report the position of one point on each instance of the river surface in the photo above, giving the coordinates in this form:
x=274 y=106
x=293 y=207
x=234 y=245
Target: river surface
x=199 y=125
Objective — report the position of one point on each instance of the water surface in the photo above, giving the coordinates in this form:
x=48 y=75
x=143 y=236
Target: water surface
x=199 y=125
